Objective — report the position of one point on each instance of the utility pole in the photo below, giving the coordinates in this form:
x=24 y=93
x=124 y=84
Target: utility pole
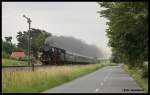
x=29 y=45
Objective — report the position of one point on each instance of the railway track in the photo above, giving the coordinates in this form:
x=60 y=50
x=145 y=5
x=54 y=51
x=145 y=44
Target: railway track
x=23 y=68
x=30 y=68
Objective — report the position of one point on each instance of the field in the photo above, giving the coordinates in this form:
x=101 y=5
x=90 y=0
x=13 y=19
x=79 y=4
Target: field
x=43 y=79
x=14 y=62
x=137 y=74
x=11 y=62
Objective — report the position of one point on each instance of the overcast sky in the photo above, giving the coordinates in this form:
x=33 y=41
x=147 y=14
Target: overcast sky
x=76 y=19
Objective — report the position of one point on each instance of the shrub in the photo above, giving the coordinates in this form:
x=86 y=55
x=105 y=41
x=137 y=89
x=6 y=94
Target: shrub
x=34 y=60
x=145 y=71
x=23 y=59
x=5 y=55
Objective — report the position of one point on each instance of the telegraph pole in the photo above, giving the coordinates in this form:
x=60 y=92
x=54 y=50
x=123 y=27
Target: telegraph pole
x=29 y=45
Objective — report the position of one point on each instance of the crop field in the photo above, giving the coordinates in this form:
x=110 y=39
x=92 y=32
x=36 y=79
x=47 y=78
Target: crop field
x=43 y=79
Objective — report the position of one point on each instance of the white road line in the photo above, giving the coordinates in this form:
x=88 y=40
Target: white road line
x=102 y=83
x=107 y=75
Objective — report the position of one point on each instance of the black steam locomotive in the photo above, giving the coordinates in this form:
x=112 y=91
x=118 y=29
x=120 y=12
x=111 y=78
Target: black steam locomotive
x=54 y=55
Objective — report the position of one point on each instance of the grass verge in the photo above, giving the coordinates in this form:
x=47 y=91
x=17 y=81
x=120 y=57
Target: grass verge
x=43 y=79
x=137 y=74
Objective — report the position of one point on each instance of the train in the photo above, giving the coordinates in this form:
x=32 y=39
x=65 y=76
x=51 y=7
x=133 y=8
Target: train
x=54 y=55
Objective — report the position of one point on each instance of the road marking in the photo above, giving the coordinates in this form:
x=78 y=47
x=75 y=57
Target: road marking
x=97 y=90
x=107 y=75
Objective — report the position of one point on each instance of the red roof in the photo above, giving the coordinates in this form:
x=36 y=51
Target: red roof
x=18 y=54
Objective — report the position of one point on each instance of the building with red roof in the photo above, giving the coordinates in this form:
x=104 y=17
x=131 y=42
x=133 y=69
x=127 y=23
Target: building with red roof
x=18 y=55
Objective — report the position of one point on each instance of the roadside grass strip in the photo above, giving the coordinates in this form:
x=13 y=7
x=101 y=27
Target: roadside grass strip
x=43 y=79
x=137 y=74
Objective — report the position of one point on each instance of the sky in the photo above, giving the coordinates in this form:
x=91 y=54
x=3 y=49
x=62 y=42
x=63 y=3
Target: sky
x=76 y=19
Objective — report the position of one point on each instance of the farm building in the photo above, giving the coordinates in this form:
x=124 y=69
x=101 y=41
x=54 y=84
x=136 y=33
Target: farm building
x=17 y=55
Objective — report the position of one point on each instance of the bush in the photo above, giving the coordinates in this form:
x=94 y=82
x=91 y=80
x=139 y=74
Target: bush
x=145 y=71
x=20 y=59
x=23 y=59
x=34 y=60
x=5 y=55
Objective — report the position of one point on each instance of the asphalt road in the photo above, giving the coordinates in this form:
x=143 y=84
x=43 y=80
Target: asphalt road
x=112 y=79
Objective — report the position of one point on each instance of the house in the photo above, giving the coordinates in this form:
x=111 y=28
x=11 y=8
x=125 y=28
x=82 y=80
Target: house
x=17 y=55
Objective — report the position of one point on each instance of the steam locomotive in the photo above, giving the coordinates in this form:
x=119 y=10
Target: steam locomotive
x=54 y=55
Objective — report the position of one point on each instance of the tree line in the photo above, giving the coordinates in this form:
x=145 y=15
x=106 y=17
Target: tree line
x=37 y=37
x=127 y=31
x=40 y=37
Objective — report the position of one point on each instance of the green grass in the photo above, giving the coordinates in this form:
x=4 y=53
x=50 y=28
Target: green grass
x=137 y=74
x=11 y=62
x=43 y=79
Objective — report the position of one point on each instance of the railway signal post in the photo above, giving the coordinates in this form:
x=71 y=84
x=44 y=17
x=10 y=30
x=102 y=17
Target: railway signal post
x=29 y=40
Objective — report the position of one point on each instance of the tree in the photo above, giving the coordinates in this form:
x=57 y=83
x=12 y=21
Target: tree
x=128 y=30
x=22 y=39
x=38 y=38
x=7 y=46
x=8 y=39
x=115 y=57
x=38 y=41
